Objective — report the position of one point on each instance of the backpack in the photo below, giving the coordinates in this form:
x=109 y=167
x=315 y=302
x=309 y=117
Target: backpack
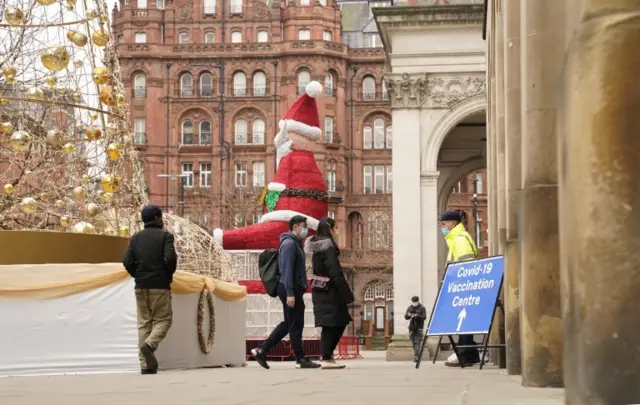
x=269 y=272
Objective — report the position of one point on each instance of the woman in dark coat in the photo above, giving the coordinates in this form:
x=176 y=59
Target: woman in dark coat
x=330 y=291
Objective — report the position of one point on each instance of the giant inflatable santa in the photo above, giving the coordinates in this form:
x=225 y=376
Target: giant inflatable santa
x=298 y=187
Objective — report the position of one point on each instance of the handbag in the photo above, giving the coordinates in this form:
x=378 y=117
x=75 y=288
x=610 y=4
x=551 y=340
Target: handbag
x=319 y=283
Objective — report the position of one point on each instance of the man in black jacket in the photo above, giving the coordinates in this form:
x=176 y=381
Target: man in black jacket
x=151 y=260
x=416 y=315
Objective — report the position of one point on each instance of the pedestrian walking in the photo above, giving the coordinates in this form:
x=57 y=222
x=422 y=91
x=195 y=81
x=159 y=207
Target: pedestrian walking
x=151 y=260
x=462 y=248
x=291 y=288
x=330 y=291
x=416 y=315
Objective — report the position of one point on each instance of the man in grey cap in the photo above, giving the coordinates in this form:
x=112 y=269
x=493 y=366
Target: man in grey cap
x=151 y=260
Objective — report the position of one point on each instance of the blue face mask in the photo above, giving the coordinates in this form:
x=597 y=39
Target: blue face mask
x=445 y=230
x=303 y=233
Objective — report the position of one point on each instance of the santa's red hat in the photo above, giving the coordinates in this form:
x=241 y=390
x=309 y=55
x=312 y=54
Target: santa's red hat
x=302 y=117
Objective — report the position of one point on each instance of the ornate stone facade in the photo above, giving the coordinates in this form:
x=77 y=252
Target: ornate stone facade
x=433 y=91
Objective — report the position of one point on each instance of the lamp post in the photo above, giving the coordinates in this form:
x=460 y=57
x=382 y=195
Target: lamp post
x=182 y=177
x=476 y=220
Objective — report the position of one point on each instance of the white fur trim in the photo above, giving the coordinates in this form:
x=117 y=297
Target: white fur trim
x=281 y=137
x=276 y=187
x=286 y=215
x=283 y=151
x=217 y=236
x=287 y=126
x=313 y=89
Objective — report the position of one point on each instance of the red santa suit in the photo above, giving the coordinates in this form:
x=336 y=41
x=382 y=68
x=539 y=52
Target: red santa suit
x=298 y=187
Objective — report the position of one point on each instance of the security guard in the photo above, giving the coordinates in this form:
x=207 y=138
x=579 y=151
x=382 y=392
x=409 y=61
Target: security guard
x=461 y=248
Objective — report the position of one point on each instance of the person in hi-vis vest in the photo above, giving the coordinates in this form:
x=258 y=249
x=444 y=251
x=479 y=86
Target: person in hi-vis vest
x=461 y=248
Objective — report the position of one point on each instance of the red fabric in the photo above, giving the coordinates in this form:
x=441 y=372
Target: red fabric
x=256 y=287
x=304 y=110
x=254 y=237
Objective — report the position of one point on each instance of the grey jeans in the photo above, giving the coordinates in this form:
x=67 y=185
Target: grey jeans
x=415 y=336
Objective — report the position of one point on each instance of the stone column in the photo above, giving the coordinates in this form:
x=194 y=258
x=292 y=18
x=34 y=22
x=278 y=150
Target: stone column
x=430 y=235
x=542 y=30
x=513 y=183
x=500 y=128
x=602 y=190
x=491 y=136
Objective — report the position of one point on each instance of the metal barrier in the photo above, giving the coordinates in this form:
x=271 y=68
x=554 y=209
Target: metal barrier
x=348 y=348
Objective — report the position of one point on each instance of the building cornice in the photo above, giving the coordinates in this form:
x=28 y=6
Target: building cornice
x=425 y=16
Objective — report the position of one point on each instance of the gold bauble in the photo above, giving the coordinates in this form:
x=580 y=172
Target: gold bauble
x=83 y=227
x=44 y=197
x=112 y=129
x=28 y=205
x=59 y=204
x=28 y=173
x=54 y=137
x=104 y=18
x=101 y=75
x=8 y=189
x=6 y=128
x=92 y=209
x=4 y=101
x=79 y=193
x=93 y=116
x=120 y=100
x=71 y=4
x=35 y=93
x=77 y=63
x=107 y=197
x=68 y=148
x=100 y=38
x=20 y=141
x=123 y=230
x=78 y=38
x=77 y=97
x=46 y=2
x=65 y=221
x=106 y=95
x=92 y=14
x=94 y=133
x=84 y=178
x=51 y=81
x=113 y=151
x=9 y=70
x=110 y=183
x=55 y=58
x=13 y=15
x=11 y=79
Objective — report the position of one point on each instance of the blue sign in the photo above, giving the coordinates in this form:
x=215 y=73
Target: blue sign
x=467 y=298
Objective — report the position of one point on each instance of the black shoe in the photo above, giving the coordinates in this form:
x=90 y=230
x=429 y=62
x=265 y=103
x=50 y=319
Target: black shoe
x=149 y=357
x=260 y=357
x=148 y=371
x=306 y=363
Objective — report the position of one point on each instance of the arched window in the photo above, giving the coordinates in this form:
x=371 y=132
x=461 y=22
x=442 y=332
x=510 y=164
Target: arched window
x=183 y=38
x=367 y=137
x=259 y=84
x=187 y=132
x=139 y=86
x=263 y=36
x=330 y=175
x=378 y=133
x=209 y=37
x=304 y=34
x=303 y=79
x=369 y=88
x=140 y=38
x=389 y=136
x=378 y=230
x=206 y=85
x=240 y=133
x=142 y=3
x=328 y=84
x=205 y=133
x=239 y=84
x=236 y=37
x=186 y=85
x=258 y=132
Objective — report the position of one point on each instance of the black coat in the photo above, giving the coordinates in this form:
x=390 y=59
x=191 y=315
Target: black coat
x=416 y=322
x=151 y=257
x=330 y=307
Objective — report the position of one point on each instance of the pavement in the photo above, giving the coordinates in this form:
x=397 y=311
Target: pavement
x=370 y=381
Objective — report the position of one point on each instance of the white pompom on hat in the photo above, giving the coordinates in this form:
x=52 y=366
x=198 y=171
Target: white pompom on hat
x=302 y=116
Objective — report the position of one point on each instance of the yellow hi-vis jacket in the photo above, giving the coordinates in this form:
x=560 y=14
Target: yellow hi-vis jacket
x=461 y=245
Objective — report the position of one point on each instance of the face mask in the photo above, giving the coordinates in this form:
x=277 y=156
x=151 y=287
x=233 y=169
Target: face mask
x=415 y=304
x=445 y=230
x=303 y=233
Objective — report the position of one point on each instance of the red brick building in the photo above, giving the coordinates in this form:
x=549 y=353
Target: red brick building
x=208 y=81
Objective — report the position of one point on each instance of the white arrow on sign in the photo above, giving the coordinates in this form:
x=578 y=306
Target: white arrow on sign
x=461 y=316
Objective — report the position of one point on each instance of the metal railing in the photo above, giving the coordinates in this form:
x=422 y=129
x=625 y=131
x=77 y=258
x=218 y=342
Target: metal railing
x=260 y=91
x=206 y=91
x=139 y=138
x=330 y=91
x=205 y=138
x=368 y=95
x=186 y=91
x=140 y=92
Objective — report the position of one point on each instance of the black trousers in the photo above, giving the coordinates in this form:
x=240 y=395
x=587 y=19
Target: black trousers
x=330 y=337
x=292 y=325
x=469 y=355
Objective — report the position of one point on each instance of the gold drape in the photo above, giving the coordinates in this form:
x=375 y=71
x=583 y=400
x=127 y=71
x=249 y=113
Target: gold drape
x=48 y=281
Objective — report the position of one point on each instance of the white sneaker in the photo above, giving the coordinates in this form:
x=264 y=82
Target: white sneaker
x=452 y=361
x=331 y=365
